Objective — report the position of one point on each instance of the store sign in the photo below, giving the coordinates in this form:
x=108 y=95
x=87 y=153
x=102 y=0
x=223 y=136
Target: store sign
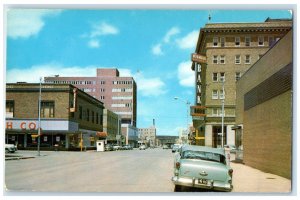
x=47 y=125
x=21 y=125
x=198 y=58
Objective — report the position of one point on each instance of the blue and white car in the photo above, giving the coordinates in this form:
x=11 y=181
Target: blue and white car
x=202 y=167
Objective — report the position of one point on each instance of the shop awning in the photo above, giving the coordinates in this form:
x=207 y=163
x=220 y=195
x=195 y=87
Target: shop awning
x=101 y=134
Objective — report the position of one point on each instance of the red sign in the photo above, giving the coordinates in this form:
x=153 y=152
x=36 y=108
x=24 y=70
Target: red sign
x=198 y=58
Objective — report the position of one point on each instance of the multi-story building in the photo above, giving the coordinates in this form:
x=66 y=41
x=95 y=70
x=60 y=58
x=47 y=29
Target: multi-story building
x=69 y=118
x=264 y=114
x=117 y=93
x=112 y=126
x=224 y=52
x=148 y=136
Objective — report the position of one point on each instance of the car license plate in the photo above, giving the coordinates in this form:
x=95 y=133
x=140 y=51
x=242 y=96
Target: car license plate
x=202 y=181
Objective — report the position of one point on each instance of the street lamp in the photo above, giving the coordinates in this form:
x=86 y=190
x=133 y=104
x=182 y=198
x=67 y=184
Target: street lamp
x=187 y=111
x=223 y=101
x=39 y=119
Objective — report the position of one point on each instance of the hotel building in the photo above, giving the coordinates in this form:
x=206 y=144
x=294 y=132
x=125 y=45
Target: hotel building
x=224 y=52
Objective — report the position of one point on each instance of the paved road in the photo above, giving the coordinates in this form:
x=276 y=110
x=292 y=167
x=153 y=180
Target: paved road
x=115 y=171
x=119 y=171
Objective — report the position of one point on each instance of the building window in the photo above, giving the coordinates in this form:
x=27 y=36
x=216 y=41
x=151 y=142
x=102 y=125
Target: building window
x=215 y=59
x=222 y=77
x=215 y=77
x=215 y=112
x=237 y=41
x=102 y=97
x=247 y=41
x=10 y=105
x=215 y=94
x=215 y=41
x=97 y=118
x=87 y=115
x=247 y=59
x=238 y=59
x=93 y=117
x=101 y=119
x=222 y=59
x=222 y=94
x=261 y=41
x=47 y=109
x=222 y=40
x=80 y=112
x=238 y=75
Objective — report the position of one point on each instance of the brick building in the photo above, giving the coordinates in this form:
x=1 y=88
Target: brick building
x=224 y=52
x=264 y=110
x=112 y=126
x=68 y=116
x=148 y=136
x=117 y=93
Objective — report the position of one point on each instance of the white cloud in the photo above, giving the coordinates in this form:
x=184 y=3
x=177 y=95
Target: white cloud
x=185 y=74
x=23 y=23
x=189 y=41
x=153 y=86
x=94 y=43
x=170 y=33
x=150 y=86
x=156 y=50
x=33 y=74
x=102 y=28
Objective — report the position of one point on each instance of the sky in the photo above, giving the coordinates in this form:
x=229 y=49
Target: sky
x=153 y=46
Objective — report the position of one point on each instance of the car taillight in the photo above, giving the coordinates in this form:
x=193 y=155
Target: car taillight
x=230 y=172
x=177 y=165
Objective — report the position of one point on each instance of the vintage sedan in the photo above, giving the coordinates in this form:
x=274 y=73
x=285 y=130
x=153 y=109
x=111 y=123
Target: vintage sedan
x=10 y=148
x=202 y=167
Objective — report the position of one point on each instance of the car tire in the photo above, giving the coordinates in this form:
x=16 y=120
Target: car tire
x=177 y=188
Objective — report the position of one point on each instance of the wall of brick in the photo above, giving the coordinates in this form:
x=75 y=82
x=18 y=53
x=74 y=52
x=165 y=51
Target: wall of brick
x=267 y=136
x=267 y=127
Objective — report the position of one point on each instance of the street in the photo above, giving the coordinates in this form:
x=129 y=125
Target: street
x=135 y=170
x=114 y=171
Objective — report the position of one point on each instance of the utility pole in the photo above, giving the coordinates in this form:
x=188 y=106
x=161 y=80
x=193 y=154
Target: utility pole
x=39 y=120
x=223 y=101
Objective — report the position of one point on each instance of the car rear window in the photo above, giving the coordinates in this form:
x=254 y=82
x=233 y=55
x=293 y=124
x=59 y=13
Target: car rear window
x=202 y=155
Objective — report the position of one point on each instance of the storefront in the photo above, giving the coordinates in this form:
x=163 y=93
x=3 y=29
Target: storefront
x=55 y=134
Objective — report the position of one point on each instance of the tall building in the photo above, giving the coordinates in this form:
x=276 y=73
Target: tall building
x=117 y=93
x=224 y=52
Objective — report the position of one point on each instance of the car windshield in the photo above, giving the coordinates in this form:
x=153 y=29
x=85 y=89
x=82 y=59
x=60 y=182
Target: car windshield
x=202 y=155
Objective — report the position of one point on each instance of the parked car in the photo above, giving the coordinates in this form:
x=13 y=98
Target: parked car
x=142 y=147
x=202 y=167
x=165 y=146
x=116 y=147
x=10 y=148
x=175 y=147
x=127 y=147
x=109 y=147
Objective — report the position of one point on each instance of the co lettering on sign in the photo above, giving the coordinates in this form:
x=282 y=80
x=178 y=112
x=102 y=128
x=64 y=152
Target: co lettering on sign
x=23 y=125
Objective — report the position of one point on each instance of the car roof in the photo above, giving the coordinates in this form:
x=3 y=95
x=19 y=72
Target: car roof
x=203 y=148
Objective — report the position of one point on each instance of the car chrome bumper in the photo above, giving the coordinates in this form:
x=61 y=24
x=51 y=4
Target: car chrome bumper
x=192 y=182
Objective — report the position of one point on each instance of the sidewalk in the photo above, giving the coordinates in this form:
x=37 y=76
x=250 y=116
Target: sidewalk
x=251 y=180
